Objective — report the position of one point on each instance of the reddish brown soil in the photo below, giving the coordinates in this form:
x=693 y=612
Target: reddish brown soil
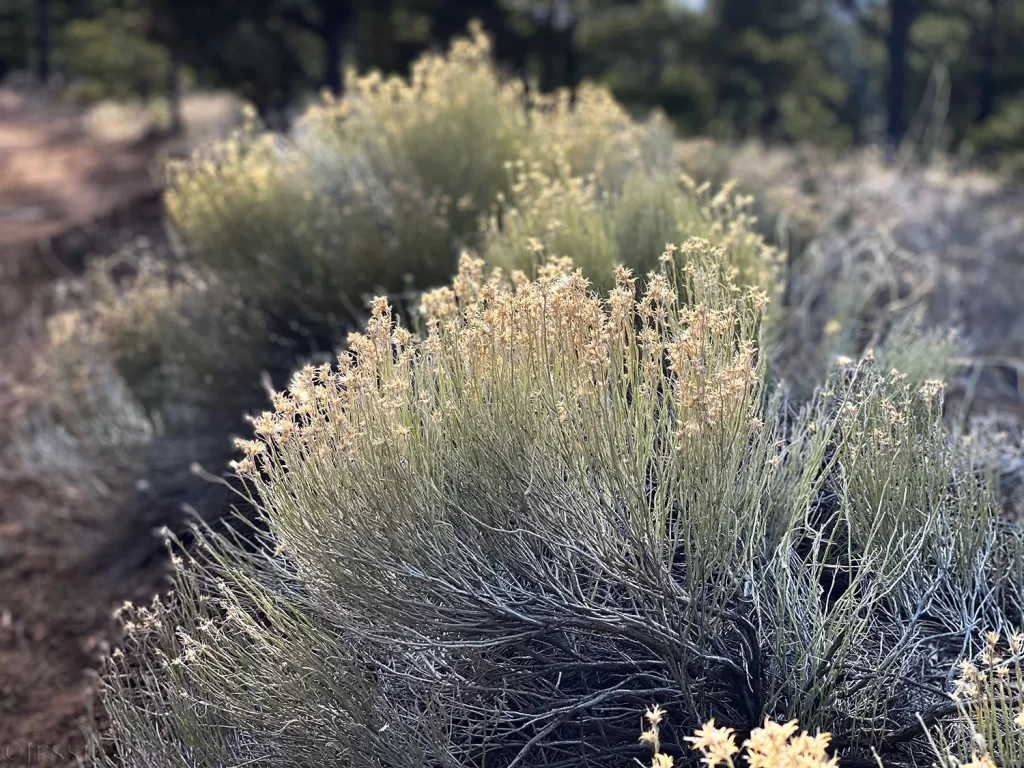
x=55 y=619
x=55 y=175
x=62 y=194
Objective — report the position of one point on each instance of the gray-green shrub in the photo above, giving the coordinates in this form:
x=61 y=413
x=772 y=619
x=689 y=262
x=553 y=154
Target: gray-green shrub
x=498 y=542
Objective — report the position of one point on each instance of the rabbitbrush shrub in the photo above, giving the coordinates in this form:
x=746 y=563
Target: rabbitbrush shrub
x=380 y=191
x=495 y=542
x=599 y=228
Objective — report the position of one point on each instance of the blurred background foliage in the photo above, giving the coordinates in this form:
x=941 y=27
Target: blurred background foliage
x=940 y=75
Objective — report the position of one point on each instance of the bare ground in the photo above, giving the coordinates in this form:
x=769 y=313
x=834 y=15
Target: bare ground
x=65 y=193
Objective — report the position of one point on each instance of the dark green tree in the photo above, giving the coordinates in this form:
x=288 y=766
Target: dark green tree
x=771 y=71
x=330 y=21
x=651 y=54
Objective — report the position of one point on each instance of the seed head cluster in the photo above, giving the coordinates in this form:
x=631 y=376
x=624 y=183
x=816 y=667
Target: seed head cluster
x=551 y=345
x=773 y=745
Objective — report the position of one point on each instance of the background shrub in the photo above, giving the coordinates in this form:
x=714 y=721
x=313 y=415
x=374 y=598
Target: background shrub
x=391 y=180
x=599 y=228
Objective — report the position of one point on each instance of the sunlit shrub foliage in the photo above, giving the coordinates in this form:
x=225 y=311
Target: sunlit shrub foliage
x=389 y=183
x=599 y=228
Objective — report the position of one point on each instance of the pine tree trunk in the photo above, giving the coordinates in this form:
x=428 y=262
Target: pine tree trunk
x=572 y=74
x=901 y=18
x=332 y=61
x=986 y=88
x=336 y=19
x=43 y=40
x=174 y=97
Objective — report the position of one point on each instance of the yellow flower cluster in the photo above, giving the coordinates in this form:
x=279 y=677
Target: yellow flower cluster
x=651 y=737
x=717 y=745
x=546 y=348
x=774 y=745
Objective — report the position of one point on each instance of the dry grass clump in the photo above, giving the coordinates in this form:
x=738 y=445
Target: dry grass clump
x=873 y=244
x=147 y=348
x=496 y=541
x=87 y=401
x=988 y=697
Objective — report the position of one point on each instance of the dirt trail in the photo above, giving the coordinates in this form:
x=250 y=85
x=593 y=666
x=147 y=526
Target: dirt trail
x=54 y=620
x=64 y=193
x=55 y=174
